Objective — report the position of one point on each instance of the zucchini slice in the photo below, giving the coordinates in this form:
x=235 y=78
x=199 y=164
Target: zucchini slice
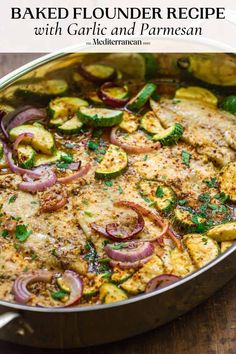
x=163 y=196
x=151 y=124
x=93 y=97
x=151 y=66
x=137 y=283
x=100 y=117
x=109 y=293
x=6 y=108
x=25 y=156
x=170 y=135
x=60 y=109
x=182 y=264
x=41 y=159
x=3 y=162
x=196 y=93
x=137 y=102
x=130 y=122
x=229 y=104
x=113 y=164
x=223 y=232
x=98 y=73
x=183 y=219
x=119 y=275
x=225 y=245
x=71 y=127
x=227 y=180
x=42 y=91
x=42 y=139
x=93 y=287
x=202 y=249
x=1 y=150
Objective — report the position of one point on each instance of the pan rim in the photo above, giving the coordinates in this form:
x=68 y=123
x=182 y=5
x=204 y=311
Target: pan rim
x=6 y=81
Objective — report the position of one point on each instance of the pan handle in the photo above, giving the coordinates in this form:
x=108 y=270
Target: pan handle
x=8 y=317
x=22 y=327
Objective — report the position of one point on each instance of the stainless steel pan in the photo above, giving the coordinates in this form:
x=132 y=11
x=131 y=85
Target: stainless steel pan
x=91 y=325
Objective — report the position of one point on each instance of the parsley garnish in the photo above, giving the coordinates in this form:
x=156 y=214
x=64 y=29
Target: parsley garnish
x=108 y=183
x=88 y=213
x=119 y=246
x=66 y=157
x=159 y=192
x=70 y=145
x=186 y=156
x=145 y=157
x=22 y=233
x=92 y=145
x=222 y=197
x=147 y=200
x=182 y=201
x=58 y=295
x=212 y=183
x=205 y=197
x=12 y=199
x=120 y=190
x=5 y=233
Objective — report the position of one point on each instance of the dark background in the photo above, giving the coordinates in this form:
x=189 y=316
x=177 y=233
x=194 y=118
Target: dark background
x=208 y=329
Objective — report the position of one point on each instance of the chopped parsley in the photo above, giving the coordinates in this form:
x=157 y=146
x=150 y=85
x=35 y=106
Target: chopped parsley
x=22 y=233
x=119 y=246
x=159 y=192
x=12 y=199
x=58 y=295
x=25 y=270
x=182 y=201
x=88 y=213
x=145 y=157
x=120 y=190
x=186 y=156
x=204 y=239
x=213 y=183
x=205 y=197
x=92 y=145
x=108 y=183
x=65 y=160
x=147 y=200
x=222 y=197
x=5 y=233
x=54 y=252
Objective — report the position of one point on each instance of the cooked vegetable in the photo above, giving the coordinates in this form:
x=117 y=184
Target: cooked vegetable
x=185 y=219
x=170 y=135
x=228 y=181
x=151 y=124
x=229 y=104
x=138 y=282
x=196 y=93
x=42 y=139
x=44 y=180
x=111 y=293
x=137 y=102
x=130 y=122
x=151 y=66
x=114 y=95
x=100 y=117
x=223 y=232
x=62 y=108
x=73 y=177
x=98 y=73
x=130 y=251
x=201 y=248
x=161 y=281
x=71 y=126
x=1 y=150
x=41 y=91
x=113 y=164
x=182 y=264
x=132 y=149
x=163 y=196
x=26 y=156
x=6 y=108
x=41 y=159
x=212 y=69
x=225 y=245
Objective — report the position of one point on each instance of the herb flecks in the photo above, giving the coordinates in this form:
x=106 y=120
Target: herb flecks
x=186 y=156
x=22 y=233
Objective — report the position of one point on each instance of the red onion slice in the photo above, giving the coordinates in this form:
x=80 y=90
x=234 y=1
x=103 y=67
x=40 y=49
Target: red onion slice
x=21 y=294
x=82 y=172
x=115 y=233
x=161 y=281
x=18 y=170
x=45 y=178
x=28 y=114
x=131 y=252
x=74 y=166
x=19 y=139
x=112 y=100
x=132 y=149
x=129 y=265
x=74 y=283
x=157 y=220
